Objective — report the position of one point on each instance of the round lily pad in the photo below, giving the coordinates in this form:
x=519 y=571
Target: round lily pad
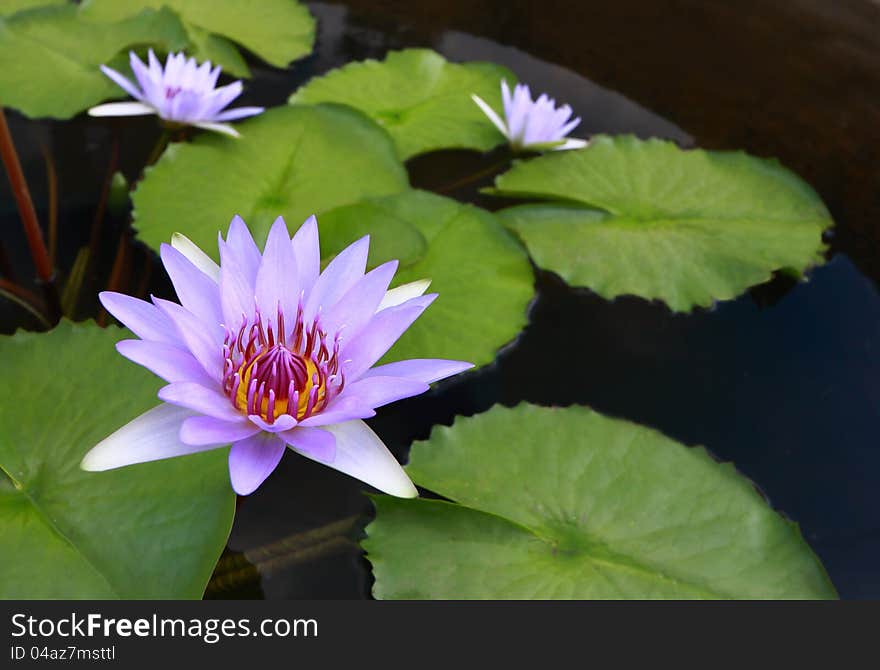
x=277 y=31
x=290 y=161
x=57 y=54
x=555 y=503
x=419 y=97
x=147 y=531
x=631 y=217
x=481 y=273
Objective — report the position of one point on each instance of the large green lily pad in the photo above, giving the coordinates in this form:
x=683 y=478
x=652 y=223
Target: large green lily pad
x=291 y=161
x=482 y=274
x=632 y=217
x=567 y=503
x=421 y=99
x=10 y=7
x=277 y=31
x=147 y=531
x=51 y=56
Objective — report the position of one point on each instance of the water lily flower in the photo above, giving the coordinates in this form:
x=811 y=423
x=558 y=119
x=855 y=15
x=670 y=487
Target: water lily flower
x=532 y=125
x=183 y=93
x=266 y=352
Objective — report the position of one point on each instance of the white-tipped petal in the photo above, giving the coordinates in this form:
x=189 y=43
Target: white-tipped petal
x=403 y=293
x=122 y=109
x=150 y=437
x=572 y=143
x=493 y=117
x=222 y=128
x=361 y=454
x=196 y=256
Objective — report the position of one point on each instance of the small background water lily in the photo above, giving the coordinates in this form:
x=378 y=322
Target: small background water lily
x=183 y=92
x=533 y=125
x=266 y=352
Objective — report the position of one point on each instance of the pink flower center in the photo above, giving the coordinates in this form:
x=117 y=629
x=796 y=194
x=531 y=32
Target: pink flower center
x=269 y=373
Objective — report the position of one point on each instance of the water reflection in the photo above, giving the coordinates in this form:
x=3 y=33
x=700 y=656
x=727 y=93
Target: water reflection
x=784 y=382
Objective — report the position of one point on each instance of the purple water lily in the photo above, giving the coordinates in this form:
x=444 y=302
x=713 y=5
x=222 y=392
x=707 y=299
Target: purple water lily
x=267 y=352
x=181 y=93
x=532 y=125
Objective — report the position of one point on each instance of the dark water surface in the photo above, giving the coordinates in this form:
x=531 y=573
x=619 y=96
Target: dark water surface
x=784 y=381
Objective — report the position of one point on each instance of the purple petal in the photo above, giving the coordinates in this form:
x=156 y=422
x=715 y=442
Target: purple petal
x=277 y=284
x=238 y=113
x=378 y=391
x=339 y=276
x=361 y=454
x=204 y=340
x=197 y=430
x=317 y=444
x=143 y=75
x=123 y=82
x=282 y=423
x=150 y=437
x=170 y=362
x=196 y=256
x=339 y=410
x=200 y=399
x=427 y=370
x=253 y=459
x=197 y=292
x=243 y=248
x=360 y=302
x=220 y=97
x=140 y=317
x=236 y=287
x=381 y=333
x=306 y=249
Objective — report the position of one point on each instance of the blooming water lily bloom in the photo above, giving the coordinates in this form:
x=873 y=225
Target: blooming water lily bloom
x=266 y=352
x=182 y=93
x=533 y=125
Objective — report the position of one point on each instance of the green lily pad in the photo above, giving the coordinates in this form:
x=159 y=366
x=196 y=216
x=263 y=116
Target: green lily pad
x=566 y=503
x=56 y=55
x=147 y=531
x=277 y=31
x=291 y=162
x=631 y=217
x=10 y=7
x=421 y=99
x=482 y=274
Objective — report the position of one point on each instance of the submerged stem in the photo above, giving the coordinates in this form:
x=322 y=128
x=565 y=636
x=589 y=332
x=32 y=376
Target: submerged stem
x=474 y=177
x=52 y=186
x=25 y=204
x=115 y=280
x=95 y=236
x=158 y=148
x=24 y=299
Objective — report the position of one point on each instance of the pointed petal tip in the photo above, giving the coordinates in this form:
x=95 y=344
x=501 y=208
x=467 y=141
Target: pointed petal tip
x=195 y=255
x=402 y=487
x=91 y=462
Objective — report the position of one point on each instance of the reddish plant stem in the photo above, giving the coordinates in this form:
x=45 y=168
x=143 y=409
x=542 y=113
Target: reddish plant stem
x=31 y=298
x=113 y=284
x=36 y=244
